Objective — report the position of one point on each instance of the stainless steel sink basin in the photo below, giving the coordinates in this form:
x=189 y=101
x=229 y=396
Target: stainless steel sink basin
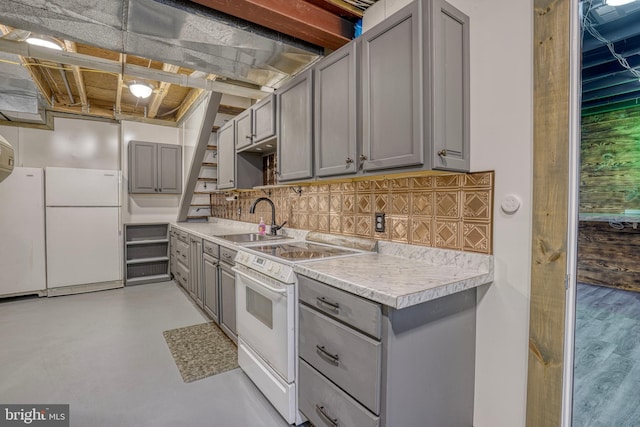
x=250 y=237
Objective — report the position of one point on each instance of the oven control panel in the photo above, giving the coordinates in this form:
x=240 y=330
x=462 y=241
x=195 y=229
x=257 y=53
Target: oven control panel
x=281 y=272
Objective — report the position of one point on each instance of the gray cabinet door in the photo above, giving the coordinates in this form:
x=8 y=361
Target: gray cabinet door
x=210 y=279
x=169 y=168
x=392 y=92
x=335 y=112
x=143 y=172
x=450 y=110
x=244 y=135
x=228 y=303
x=264 y=119
x=295 y=128
x=195 y=270
x=226 y=156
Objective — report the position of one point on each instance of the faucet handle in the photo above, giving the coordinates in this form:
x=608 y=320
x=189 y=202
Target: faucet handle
x=275 y=228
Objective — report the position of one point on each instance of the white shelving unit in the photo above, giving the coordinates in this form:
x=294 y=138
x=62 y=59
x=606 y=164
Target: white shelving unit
x=146 y=253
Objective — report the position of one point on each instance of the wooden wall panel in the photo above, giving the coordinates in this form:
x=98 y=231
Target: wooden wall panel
x=551 y=77
x=608 y=256
x=610 y=162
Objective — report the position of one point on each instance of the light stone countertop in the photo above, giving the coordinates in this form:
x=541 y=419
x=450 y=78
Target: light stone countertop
x=616 y=218
x=402 y=275
x=398 y=275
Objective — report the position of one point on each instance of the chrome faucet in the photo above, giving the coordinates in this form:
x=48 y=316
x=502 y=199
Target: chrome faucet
x=274 y=227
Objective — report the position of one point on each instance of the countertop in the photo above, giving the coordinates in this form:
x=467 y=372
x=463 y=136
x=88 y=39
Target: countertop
x=400 y=281
x=398 y=275
x=596 y=217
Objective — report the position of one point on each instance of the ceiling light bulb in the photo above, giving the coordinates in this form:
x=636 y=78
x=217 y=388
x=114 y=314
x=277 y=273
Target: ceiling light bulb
x=140 y=90
x=40 y=41
x=618 y=2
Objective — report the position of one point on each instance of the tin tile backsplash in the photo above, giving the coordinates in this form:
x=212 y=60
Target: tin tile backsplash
x=445 y=211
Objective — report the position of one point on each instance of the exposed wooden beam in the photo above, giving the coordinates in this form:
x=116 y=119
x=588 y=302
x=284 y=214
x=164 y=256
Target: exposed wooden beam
x=296 y=18
x=161 y=92
x=118 y=108
x=339 y=7
x=77 y=75
x=230 y=110
x=189 y=101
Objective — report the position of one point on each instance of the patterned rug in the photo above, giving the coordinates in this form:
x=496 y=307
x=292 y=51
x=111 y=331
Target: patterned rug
x=201 y=351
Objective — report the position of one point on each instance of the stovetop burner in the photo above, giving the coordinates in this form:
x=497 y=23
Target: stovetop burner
x=302 y=250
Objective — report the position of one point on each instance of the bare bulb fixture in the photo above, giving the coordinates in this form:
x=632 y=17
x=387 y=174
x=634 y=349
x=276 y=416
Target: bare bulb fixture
x=140 y=89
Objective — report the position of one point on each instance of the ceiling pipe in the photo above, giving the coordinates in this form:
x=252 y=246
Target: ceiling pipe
x=115 y=67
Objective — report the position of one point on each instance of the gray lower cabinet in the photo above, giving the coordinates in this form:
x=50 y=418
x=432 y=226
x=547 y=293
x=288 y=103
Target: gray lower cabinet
x=419 y=372
x=146 y=253
x=210 y=280
x=196 y=288
x=155 y=168
x=392 y=92
x=294 y=102
x=335 y=113
x=228 y=293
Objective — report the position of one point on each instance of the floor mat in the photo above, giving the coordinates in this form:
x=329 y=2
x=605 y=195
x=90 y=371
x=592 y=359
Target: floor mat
x=201 y=351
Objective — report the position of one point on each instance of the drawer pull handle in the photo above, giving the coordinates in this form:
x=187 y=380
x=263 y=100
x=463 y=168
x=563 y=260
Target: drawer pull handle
x=334 y=305
x=323 y=414
x=334 y=358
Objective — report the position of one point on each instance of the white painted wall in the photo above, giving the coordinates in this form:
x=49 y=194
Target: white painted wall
x=72 y=144
x=502 y=140
x=10 y=133
x=146 y=207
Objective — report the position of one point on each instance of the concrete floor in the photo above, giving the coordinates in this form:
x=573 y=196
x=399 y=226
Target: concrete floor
x=104 y=354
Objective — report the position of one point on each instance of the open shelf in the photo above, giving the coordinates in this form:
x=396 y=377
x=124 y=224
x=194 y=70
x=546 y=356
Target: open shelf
x=146 y=253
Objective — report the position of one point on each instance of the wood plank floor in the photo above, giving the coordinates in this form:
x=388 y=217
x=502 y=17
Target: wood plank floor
x=606 y=387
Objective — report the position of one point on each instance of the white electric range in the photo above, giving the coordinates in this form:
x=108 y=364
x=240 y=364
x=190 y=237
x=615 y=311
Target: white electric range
x=266 y=297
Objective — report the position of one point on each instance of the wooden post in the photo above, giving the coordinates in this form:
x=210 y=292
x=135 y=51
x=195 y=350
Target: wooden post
x=550 y=203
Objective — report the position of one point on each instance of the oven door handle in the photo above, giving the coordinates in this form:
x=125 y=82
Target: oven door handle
x=263 y=285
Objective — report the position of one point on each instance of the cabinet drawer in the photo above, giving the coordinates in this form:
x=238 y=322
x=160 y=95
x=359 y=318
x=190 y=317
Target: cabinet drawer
x=211 y=249
x=326 y=405
x=181 y=274
x=182 y=252
x=227 y=255
x=181 y=235
x=345 y=356
x=358 y=312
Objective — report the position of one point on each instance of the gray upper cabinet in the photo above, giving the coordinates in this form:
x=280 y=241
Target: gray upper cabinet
x=226 y=156
x=450 y=58
x=155 y=168
x=244 y=129
x=335 y=113
x=295 y=128
x=391 y=92
x=264 y=119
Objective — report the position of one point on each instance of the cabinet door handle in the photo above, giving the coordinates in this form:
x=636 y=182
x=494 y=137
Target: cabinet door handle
x=349 y=160
x=334 y=358
x=442 y=153
x=332 y=421
x=160 y=190
x=248 y=136
x=333 y=305
x=363 y=157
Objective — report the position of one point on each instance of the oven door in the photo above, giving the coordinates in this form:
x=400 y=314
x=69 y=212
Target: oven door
x=265 y=319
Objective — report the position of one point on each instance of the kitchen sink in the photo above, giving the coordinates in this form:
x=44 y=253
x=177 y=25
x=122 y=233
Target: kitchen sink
x=251 y=237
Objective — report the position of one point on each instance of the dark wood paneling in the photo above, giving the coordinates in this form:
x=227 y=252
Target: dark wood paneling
x=608 y=256
x=610 y=162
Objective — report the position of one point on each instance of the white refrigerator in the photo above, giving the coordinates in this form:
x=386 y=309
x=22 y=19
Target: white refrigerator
x=22 y=257
x=83 y=227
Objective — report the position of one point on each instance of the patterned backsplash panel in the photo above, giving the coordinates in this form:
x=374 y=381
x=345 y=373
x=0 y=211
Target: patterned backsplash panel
x=447 y=211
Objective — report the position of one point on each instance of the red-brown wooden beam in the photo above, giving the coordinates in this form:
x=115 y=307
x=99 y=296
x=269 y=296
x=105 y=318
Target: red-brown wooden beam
x=296 y=18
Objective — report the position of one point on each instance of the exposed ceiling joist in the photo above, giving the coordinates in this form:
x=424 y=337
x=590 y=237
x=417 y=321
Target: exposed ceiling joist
x=136 y=71
x=122 y=59
x=77 y=75
x=296 y=18
x=161 y=92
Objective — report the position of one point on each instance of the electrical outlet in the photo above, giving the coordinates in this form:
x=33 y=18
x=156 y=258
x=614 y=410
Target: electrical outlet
x=379 y=222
